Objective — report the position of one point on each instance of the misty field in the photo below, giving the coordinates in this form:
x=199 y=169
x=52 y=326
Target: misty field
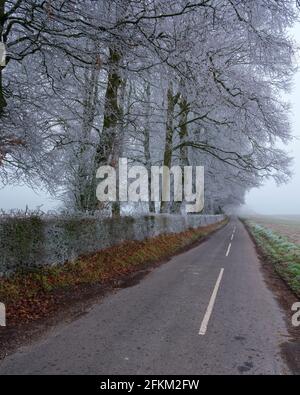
x=285 y=225
x=278 y=238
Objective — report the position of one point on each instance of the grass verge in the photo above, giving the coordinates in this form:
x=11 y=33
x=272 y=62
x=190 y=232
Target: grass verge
x=280 y=252
x=36 y=294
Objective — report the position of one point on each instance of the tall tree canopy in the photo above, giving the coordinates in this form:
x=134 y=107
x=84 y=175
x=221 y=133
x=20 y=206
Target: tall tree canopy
x=161 y=82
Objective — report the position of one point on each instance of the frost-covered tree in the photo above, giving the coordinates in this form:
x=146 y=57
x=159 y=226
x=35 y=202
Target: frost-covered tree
x=161 y=82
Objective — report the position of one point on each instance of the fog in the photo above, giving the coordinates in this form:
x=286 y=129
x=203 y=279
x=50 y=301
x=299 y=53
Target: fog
x=284 y=199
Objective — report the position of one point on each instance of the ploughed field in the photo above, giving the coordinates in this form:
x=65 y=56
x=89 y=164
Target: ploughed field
x=285 y=225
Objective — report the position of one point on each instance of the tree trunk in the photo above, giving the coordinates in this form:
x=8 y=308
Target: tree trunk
x=183 y=135
x=147 y=152
x=183 y=131
x=117 y=151
x=2 y=98
x=86 y=199
x=172 y=101
x=108 y=147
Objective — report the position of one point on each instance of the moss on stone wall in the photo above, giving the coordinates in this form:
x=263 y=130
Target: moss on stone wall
x=29 y=242
x=21 y=242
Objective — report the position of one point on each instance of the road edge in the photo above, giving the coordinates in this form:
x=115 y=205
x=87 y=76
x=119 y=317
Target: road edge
x=285 y=298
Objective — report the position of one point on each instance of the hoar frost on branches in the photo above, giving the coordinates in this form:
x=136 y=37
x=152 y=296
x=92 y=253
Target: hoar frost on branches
x=160 y=82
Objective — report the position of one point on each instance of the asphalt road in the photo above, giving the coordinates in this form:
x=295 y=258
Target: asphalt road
x=206 y=311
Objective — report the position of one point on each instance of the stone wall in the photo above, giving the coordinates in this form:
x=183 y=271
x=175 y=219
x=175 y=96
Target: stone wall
x=28 y=242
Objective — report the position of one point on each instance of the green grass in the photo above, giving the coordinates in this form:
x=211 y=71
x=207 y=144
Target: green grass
x=280 y=251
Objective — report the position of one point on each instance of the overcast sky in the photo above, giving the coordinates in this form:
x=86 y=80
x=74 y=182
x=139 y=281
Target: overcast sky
x=284 y=199
x=269 y=199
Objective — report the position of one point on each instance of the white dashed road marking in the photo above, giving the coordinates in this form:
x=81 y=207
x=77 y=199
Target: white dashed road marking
x=210 y=307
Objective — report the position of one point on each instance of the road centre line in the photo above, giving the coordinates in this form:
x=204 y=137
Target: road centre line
x=228 y=250
x=210 y=307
